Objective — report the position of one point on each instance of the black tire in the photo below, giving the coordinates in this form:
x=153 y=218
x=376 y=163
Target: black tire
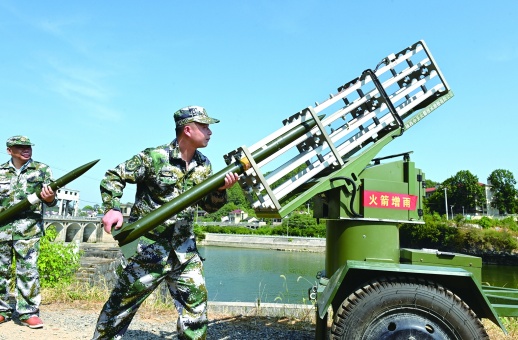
x=405 y=308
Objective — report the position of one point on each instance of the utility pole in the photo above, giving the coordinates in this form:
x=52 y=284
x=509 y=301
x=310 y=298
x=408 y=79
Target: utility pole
x=446 y=203
x=451 y=206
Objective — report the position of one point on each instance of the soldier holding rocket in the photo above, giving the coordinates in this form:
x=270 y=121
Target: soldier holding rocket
x=166 y=253
x=20 y=178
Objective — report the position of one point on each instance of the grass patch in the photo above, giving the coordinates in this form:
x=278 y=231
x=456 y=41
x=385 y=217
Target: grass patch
x=82 y=293
x=495 y=333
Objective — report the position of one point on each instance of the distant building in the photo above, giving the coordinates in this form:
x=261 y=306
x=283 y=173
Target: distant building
x=68 y=202
x=489 y=198
x=237 y=216
x=126 y=210
x=429 y=191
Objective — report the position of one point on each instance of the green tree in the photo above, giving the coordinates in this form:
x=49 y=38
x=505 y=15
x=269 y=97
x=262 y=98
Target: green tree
x=504 y=192
x=236 y=196
x=464 y=192
x=436 y=202
x=301 y=221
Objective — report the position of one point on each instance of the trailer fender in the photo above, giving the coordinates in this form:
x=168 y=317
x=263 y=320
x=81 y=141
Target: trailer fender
x=355 y=273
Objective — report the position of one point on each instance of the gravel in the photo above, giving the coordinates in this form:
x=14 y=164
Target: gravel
x=64 y=322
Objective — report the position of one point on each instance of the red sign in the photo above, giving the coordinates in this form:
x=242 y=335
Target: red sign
x=388 y=200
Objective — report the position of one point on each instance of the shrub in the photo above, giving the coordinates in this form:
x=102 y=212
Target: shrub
x=459 y=219
x=472 y=239
x=433 y=234
x=475 y=240
x=263 y=231
x=508 y=223
x=500 y=241
x=57 y=262
x=199 y=233
x=485 y=222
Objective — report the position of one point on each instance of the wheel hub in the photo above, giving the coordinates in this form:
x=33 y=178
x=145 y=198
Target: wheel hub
x=405 y=326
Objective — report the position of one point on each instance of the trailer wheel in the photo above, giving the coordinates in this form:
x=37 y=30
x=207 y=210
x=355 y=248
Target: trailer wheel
x=405 y=308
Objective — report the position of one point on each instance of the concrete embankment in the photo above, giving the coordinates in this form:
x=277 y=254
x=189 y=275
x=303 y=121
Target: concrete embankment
x=285 y=243
x=298 y=311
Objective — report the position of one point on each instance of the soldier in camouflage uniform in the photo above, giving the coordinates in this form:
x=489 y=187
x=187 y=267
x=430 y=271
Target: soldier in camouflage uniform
x=20 y=236
x=169 y=251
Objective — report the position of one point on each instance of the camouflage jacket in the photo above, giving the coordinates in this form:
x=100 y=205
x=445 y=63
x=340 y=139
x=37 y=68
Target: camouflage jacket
x=161 y=175
x=15 y=188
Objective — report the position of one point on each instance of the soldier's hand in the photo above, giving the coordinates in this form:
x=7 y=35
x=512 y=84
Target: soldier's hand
x=112 y=218
x=230 y=179
x=47 y=194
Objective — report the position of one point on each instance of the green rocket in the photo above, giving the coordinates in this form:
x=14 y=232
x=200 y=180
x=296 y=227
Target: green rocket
x=35 y=198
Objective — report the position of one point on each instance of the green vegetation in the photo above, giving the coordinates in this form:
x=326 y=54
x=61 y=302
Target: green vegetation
x=280 y=297
x=58 y=261
x=297 y=224
x=458 y=235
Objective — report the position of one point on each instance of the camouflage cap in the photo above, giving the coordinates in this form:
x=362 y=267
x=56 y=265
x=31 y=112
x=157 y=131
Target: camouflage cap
x=18 y=140
x=190 y=114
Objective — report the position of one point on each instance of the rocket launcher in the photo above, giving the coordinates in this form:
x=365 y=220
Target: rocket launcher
x=336 y=138
x=362 y=117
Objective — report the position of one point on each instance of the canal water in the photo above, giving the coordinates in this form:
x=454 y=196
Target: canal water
x=248 y=275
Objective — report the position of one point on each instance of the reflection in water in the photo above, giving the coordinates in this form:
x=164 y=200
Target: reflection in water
x=245 y=275
x=501 y=276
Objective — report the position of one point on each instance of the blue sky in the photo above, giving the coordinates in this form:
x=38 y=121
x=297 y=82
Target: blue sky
x=90 y=80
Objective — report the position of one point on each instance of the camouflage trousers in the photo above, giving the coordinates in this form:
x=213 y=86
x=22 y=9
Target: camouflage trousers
x=27 y=278
x=140 y=276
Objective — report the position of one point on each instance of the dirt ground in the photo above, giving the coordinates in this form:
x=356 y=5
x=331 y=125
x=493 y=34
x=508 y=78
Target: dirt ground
x=77 y=322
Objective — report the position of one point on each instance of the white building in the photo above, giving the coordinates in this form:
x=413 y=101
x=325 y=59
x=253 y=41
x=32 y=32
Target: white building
x=68 y=202
x=490 y=211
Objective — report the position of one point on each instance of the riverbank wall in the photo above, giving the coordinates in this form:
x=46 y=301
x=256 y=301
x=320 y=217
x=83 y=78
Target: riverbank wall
x=283 y=243
x=298 y=311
